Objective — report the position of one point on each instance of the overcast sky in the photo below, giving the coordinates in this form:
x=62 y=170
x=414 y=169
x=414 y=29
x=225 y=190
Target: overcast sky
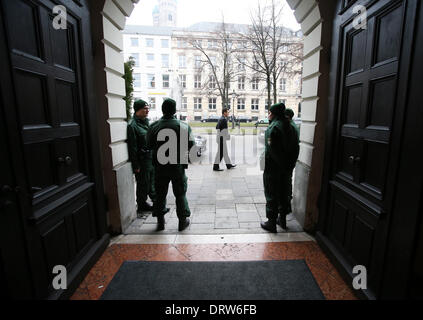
x=192 y=11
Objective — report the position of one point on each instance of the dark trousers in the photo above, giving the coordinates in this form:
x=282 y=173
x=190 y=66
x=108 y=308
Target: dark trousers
x=222 y=152
x=145 y=186
x=177 y=176
x=276 y=191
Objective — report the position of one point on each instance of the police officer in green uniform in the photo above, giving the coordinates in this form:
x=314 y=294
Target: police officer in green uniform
x=285 y=210
x=170 y=159
x=140 y=156
x=281 y=151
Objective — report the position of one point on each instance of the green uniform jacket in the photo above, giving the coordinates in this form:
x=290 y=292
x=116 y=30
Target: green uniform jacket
x=183 y=146
x=281 y=147
x=139 y=155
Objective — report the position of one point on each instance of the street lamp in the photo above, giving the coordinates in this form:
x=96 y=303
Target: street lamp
x=234 y=95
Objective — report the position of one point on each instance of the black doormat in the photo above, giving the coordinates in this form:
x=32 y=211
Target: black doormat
x=244 y=280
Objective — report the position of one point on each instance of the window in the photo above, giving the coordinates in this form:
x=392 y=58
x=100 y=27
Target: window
x=213 y=60
x=170 y=17
x=212 y=44
x=134 y=42
x=151 y=81
x=241 y=83
x=183 y=80
x=254 y=104
x=181 y=43
x=165 y=81
x=212 y=103
x=282 y=86
x=282 y=101
x=137 y=80
x=152 y=103
x=149 y=42
x=242 y=62
x=255 y=83
x=182 y=61
x=197 y=43
x=241 y=104
x=150 y=56
x=212 y=82
x=136 y=57
x=165 y=43
x=184 y=103
x=197 y=81
x=165 y=61
x=197 y=103
x=197 y=61
x=266 y=106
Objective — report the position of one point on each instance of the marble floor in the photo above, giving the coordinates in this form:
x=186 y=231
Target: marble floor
x=241 y=247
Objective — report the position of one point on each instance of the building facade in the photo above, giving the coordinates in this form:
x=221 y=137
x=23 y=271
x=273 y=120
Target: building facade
x=182 y=72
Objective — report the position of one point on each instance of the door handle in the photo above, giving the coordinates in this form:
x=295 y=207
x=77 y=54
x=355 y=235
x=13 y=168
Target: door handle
x=68 y=160
x=354 y=160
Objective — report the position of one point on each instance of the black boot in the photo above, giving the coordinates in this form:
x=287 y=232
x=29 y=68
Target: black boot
x=269 y=225
x=216 y=168
x=282 y=221
x=230 y=166
x=160 y=223
x=183 y=224
x=144 y=207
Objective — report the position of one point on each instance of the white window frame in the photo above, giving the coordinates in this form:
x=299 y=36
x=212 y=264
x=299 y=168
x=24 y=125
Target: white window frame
x=183 y=80
x=197 y=103
x=137 y=80
x=241 y=83
x=151 y=81
x=182 y=61
x=164 y=82
x=212 y=103
x=255 y=104
x=184 y=104
x=240 y=104
x=255 y=83
x=164 y=41
x=135 y=39
x=149 y=42
x=165 y=62
x=136 y=57
x=197 y=81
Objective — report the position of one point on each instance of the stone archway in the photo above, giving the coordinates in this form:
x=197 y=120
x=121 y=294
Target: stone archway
x=108 y=20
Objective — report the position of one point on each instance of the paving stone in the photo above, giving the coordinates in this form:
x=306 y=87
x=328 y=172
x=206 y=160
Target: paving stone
x=226 y=223
x=244 y=200
x=224 y=197
x=204 y=218
x=226 y=212
x=244 y=207
x=248 y=216
x=201 y=209
x=224 y=204
x=202 y=226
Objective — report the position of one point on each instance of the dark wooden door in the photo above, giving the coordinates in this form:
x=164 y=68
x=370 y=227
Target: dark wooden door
x=367 y=125
x=48 y=115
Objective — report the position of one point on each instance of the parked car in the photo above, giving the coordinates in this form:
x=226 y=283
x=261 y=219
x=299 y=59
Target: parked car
x=262 y=121
x=212 y=118
x=243 y=119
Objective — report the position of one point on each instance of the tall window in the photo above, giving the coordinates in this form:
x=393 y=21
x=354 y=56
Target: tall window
x=282 y=83
x=181 y=43
x=212 y=103
x=241 y=104
x=149 y=42
x=165 y=81
x=136 y=57
x=134 y=42
x=183 y=80
x=212 y=44
x=282 y=101
x=213 y=60
x=197 y=81
x=241 y=83
x=165 y=61
x=197 y=61
x=266 y=105
x=197 y=103
x=242 y=62
x=151 y=81
x=137 y=80
x=254 y=104
x=184 y=103
x=152 y=103
x=165 y=43
x=150 y=56
x=255 y=83
x=182 y=61
x=212 y=82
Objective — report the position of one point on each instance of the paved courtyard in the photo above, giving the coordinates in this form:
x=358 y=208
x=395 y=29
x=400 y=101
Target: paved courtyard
x=226 y=202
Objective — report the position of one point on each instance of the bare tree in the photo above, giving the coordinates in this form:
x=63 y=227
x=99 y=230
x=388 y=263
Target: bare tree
x=217 y=61
x=274 y=50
